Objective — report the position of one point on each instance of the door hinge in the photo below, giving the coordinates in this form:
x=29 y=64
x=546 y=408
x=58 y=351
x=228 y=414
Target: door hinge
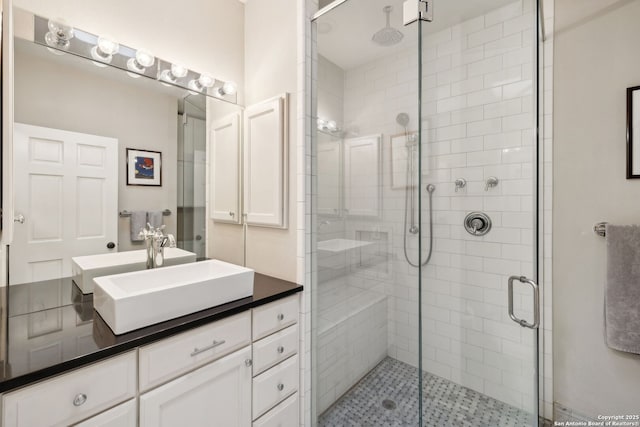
x=413 y=10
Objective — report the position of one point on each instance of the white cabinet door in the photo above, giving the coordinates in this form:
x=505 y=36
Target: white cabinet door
x=329 y=177
x=66 y=188
x=265 y=163
x=217 y=394
x=225 y=170
x=362 y=186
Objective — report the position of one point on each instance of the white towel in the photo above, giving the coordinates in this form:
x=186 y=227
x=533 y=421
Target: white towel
x=154 y=218
x=138 y=222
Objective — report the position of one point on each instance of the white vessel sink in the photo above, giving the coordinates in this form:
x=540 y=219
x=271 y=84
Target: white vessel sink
x=85 y=268
x=134 y=300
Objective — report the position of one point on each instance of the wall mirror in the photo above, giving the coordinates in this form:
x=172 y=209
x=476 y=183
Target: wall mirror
x=633 y=132
x=74 y=121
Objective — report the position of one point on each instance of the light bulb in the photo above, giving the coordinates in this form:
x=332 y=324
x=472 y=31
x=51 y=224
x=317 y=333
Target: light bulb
x=104 y=49
x=59 y=35
x=332 y=126
x=229 y=88
x=142 y=60
x=107 y=45
x=178 y=71
x=202 y=83
x=145 y=58
x=206 y=80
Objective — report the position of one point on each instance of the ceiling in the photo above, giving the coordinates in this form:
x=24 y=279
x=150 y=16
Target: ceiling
x=344 y=33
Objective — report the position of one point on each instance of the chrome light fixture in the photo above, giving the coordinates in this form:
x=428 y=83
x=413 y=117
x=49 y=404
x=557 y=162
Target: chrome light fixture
x=104 y=50
x=202 y=83
x=59 y=35
x=141 y=61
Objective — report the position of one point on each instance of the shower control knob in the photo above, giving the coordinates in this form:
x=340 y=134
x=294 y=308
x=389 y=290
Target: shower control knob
x=477 y=223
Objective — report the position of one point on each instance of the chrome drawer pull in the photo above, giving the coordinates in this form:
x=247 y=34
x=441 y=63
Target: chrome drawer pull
x=79 y=399
x=280 y=387
x=280 y=349
x=281 y=317
x=215 y=344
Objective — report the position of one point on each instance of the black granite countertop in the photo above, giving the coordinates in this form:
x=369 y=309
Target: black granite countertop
x=52 y=327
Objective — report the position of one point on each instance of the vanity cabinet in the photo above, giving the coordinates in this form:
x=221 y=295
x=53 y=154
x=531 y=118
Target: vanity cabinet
x=242 y=370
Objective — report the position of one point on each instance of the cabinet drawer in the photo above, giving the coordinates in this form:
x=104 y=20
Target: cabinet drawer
x=74 y=396
x=275 y=316
x=275 y=384
x=166 y=359
x=283 y=415
x=123 y=415
x=274 y=348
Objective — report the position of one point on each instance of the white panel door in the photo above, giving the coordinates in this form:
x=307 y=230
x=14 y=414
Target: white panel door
x=330 y=177
x=362 y=176
x=265 y=163
x=225 y=170
x=218 y=394
x=66 y=189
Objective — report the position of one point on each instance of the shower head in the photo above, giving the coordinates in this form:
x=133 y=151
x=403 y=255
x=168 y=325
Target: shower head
x=387 y=36
x=402 y=119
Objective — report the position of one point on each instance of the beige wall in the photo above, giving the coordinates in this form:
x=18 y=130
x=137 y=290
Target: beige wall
x=596 y=59
x=270 y=70
x=86 y=100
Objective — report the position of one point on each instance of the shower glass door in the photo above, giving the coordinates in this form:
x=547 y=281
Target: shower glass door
x=478 y=228
x=364 y=292
x=415 y=127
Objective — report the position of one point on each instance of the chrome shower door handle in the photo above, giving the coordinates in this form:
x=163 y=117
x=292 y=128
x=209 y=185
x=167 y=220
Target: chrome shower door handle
x=536 y=302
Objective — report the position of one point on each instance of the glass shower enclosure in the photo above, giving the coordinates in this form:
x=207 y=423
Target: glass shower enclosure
x=192 y=141
x=425 y=303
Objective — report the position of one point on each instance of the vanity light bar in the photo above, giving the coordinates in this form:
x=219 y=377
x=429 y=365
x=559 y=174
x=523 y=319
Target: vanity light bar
x=104 y=50
x=126 y=213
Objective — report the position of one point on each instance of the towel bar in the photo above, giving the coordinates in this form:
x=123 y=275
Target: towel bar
x=600 y=229
x=126 y=213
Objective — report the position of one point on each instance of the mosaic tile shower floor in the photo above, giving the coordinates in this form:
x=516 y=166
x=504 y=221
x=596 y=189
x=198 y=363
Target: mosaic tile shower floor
x=445 y=403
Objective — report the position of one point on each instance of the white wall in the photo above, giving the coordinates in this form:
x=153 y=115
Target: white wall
x=271 y=61
x=595 y=61
x=81 y=101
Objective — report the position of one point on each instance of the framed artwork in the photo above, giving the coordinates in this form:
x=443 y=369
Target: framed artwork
x=144 y=167
x=633 y=132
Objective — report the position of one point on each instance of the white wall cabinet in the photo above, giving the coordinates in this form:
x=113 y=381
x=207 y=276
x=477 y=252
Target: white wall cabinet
x=216 y=394
x=329 y=177
x=266 y=163
x=362 y=186
x=225 y=160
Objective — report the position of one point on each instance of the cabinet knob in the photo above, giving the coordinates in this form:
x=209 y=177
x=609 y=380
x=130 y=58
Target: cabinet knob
x=280 y=349
x=281 y=317
x=79 y=399
x=232 y=214
x=248 y=363
x=280 y=387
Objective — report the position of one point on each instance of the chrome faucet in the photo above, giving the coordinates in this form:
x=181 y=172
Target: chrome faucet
x=155 y=241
